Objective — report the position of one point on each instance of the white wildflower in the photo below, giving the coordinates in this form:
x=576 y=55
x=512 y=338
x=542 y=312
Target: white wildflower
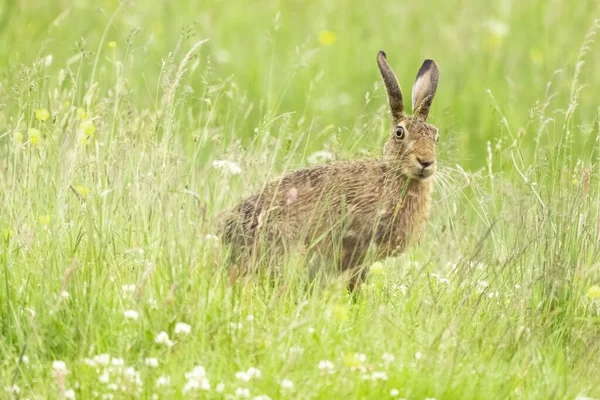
x=379 y=376
x=13 y=389
x=227 y=166
x=131 y=314
x=25 y=359
x=163 y=338
x=102 y=359
x=69 y=394
x=286 y=384
x=242 y=376
x=105 y=377
x=196 y=379
x=197 y=374
x=181 y=328
x=440 y=278
x=59 y=366
x=254 y=373
x=394 y=392
x=482 y=285
x=250 y=318
x=151 y=362
x=296 y=350
x=128 y=289
x=387 y=358
x=220 y=387
x=242 y=393
x=236 y=325
x=497 y=27
x=583 y=397
x=64 y=294
x=261 y=397
x=117 y=362
x=210 y=237
x=326 y=367
x=418 y=355
x=163 y=381
x=319 y=157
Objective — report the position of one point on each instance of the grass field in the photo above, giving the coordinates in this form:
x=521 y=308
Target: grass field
x=114 y=285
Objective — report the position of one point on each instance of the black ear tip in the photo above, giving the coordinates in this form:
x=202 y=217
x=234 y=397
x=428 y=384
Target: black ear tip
x=381 y=54
x=429 y=63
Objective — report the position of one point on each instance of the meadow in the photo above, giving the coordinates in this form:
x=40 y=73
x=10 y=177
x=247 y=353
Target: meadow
x=127 y=128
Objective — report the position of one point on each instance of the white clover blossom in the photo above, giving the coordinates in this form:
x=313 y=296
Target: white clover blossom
x=196 y=380
x=242 y=393
x=387 y=358
x=13 y=389
x=151 y=362
x=286 y=384
x=326 y=367
x=59 y=366
x=128 y=289
x=102 y=359
x=163 y=338
x=379 y=376
x=131 y=314
x=163 y=381
x=320 y=157
x=117 y=362
x=181 y=328
x=227 y=166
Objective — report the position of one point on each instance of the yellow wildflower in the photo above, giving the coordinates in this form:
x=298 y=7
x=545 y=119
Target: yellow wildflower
x=35 y=136
x=67 y=104
x=536 y=56
x=81 y=114
x=112 y=44
x=18 y=137
x=8 y=233
x=341 y=312
x=594 y=292
x=45 y=219
x=42 y=114
x=88 y=128
x=327 y=38
x=574 y=181
x=354 y=360
x=82 y=190
x=377 y=268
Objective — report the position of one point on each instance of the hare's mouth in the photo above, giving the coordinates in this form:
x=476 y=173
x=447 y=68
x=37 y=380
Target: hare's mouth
x=420 y=173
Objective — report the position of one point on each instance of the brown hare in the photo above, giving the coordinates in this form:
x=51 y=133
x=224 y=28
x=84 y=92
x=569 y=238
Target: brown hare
x=338 y=210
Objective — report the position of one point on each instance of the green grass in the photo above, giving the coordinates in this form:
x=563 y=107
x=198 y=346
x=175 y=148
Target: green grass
x=498 y=300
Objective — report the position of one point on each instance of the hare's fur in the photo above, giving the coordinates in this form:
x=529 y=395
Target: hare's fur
x=340 y=209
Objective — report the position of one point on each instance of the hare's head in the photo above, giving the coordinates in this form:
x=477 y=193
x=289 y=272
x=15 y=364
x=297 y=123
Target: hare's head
x=412 y=140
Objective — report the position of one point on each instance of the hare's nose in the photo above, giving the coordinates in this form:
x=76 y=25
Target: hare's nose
x=424 y=163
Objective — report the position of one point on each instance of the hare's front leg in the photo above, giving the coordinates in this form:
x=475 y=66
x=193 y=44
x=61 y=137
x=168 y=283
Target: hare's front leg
x=353 y=255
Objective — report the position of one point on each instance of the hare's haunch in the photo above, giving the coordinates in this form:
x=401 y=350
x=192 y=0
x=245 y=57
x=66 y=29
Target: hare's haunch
x=339 y=209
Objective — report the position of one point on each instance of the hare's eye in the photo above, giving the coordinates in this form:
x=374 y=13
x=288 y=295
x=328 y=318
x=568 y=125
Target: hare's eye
x=400 y=132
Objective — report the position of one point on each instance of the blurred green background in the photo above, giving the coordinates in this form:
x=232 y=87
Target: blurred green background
x=317 y=58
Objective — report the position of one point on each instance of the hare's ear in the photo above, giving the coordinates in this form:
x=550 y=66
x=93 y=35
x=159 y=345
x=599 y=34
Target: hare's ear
x=424 y=88
x=391 y=84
